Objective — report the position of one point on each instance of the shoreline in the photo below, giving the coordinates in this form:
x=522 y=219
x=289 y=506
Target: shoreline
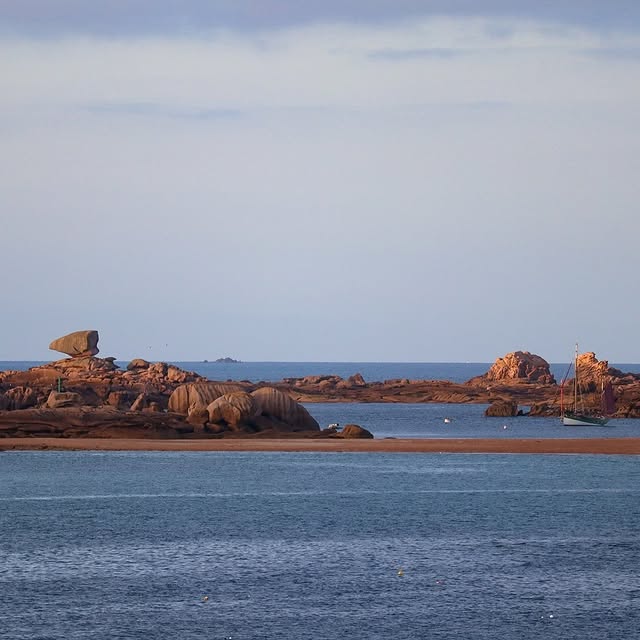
x=602 y=446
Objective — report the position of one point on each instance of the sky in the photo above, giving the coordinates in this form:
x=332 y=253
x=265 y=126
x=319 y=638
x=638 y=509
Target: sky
x=353 y=180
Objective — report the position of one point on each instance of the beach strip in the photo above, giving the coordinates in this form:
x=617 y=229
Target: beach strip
x=623 y=446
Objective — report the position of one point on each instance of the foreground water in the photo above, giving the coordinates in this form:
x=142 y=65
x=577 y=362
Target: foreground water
x=127 y=545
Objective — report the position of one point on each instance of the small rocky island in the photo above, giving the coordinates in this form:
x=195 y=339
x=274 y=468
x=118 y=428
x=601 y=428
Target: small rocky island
x=83 y=395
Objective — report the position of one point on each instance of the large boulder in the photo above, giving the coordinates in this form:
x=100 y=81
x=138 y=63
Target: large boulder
x=78 y=343
x=198 y=395
x=138 y=363
x=62 y=399
x=521 y=366
x=234 y=409
x=352 y=431
x=198 y=417
x=283 y=409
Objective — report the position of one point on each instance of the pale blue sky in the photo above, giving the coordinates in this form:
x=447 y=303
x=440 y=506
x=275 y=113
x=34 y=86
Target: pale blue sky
x=391 y=180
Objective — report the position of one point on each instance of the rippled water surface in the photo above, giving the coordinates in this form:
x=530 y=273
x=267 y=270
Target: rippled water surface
x=127 y=545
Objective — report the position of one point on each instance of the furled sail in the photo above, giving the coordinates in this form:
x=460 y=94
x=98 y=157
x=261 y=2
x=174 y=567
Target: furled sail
x=608 y=399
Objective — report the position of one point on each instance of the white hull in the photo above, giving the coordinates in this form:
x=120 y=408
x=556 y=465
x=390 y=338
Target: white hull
x=584 y=422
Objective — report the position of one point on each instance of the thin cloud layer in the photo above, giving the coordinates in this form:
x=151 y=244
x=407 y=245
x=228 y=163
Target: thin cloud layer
x=166 y=17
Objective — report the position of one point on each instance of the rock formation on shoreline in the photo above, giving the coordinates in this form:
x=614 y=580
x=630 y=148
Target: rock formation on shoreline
x=518 y=366
x=92 y=396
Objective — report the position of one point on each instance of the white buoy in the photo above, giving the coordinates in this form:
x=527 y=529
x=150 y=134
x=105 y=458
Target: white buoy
x=447 y=420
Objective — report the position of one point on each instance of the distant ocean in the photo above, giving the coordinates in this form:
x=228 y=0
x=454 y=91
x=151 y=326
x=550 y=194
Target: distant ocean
x=371 y=371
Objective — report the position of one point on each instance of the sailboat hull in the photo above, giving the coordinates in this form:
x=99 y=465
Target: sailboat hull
x=576 y=420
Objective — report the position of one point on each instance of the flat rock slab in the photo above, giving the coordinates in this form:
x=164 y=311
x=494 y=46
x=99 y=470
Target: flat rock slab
x=78 y=343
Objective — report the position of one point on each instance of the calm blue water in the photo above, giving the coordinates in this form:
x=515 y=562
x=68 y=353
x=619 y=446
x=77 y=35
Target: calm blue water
x=371 y=371
x=308 y=546
x=393 y=420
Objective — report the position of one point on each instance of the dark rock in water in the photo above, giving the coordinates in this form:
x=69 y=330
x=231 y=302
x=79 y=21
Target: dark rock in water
x=226 y=360
x=543 y=409
x=502 y=409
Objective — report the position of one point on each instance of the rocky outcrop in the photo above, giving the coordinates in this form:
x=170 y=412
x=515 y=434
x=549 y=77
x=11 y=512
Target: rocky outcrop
x=520 y=366
x=61 y=399
x=543 y=409
x=21 y=397
x=166 y=400
x=78 y=422
x=198 y=395
x=502 y=408
x=77 y=344
x=138 y=363
x=281 y=410
x=592 y=372
x=198 y=417
x=352 y=431
x=234 y=409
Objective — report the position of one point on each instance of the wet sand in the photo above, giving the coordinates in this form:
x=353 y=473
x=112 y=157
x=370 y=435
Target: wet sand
x=625 y=446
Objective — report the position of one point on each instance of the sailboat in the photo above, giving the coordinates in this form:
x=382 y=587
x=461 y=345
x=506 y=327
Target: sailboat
x=577 y=416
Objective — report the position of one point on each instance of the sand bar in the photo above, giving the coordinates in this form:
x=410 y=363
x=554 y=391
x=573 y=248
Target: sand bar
x=625 y=446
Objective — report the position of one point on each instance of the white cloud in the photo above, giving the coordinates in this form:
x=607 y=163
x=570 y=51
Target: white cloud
x=335 y=66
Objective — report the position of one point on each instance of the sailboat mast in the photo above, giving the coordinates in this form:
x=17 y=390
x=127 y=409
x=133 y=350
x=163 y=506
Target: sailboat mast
x=575 y=385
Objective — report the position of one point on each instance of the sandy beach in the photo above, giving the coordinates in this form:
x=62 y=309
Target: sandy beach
x=624 y=446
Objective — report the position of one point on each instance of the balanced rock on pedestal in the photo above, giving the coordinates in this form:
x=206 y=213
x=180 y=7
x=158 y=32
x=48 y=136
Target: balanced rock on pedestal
x=77 y=344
